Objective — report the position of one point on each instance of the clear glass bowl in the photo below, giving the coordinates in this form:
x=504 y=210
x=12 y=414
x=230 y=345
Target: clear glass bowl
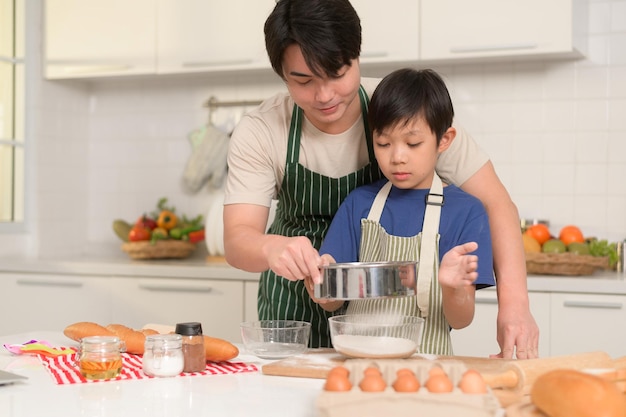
x=376 y=335
x=275 y=339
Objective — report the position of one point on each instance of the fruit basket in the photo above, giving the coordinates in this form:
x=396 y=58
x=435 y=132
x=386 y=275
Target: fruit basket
x=564 y=263
x=161 y=234
x=161 y=249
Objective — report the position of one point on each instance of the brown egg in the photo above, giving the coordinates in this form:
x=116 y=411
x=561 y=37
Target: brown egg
x=337 y=382
x=436 y=370
x=372 y=370
x=439 y=383
x=341 y=370
x=404 y=371
x=373 y=383
x=406 y=382
x=472 y=382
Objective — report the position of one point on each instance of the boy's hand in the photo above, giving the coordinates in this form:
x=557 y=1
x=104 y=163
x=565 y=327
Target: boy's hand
x=458 y=268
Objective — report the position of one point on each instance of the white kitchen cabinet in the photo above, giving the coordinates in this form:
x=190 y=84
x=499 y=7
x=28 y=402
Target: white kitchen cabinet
x=217 y=304
x=37 y=302
x=479 y=338
x=99 y=38
x=201 y=35
x=586 y=323
x=390 y=30
x=251 y=290
x=459 y=29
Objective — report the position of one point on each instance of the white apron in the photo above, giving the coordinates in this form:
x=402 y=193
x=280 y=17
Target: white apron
x=377 y=245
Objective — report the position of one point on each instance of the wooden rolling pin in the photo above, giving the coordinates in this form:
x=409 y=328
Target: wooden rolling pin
x=519 y=375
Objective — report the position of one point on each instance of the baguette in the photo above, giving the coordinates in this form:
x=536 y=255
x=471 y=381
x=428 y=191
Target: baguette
x=218 y=350
x=571 y=393
x=77 y=331
x=134 y=339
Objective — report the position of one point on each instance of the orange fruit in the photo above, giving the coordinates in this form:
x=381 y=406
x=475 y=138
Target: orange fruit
x=540 y=232
x=570 y=234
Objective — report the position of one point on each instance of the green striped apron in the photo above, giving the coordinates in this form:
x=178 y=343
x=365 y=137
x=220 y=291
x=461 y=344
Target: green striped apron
x=377 y=245
x=307 y=202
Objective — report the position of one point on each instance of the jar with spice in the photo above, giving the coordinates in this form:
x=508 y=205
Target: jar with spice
x=193 y=346
x=163 y=355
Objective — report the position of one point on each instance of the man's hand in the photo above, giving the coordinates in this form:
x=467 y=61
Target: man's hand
x=518 y=334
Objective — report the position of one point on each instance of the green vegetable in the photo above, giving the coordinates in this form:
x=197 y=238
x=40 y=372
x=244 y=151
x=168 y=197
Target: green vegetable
x=604 y=248
x=122 y=229
x=158 y=234
x=176 y=233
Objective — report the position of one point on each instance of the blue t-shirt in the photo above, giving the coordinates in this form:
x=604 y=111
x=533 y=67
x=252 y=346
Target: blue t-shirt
x=463 y=219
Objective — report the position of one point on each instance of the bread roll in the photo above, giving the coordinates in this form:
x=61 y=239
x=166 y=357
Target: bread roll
x=77 y=331
x=570 y=393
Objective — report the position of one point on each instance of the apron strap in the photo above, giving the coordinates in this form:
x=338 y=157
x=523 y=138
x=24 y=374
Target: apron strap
x=379 y=202
x=428 y=244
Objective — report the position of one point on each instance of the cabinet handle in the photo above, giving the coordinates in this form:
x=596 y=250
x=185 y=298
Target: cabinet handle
x=374 y=54
x=176 y=288
x=48 y=283
x=486 y=301
x=593 y=304
x=485 y=48
x=200 y=64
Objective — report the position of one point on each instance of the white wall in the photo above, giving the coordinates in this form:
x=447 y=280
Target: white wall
x=555 y=130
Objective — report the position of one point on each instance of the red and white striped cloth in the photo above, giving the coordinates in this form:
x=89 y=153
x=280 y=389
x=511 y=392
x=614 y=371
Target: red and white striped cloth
x=64 y=369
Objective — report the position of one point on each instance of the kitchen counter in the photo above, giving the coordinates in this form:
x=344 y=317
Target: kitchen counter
x=246 y=394
x=201 y=267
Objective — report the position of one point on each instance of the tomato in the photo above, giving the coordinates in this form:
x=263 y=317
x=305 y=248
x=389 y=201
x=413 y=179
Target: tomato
x=540 y=232
x=196 y=236
x=139 y=233
x=146 y=222
x=570 y=234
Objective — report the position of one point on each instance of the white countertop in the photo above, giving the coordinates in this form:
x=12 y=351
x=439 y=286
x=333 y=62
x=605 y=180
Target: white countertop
x=245 y=394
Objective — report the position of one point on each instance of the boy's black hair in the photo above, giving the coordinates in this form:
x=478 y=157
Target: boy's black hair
x=407 y=93
x=327 y=31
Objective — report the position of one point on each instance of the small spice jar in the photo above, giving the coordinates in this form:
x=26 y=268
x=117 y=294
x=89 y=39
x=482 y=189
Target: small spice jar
x=100 y=357
x=163 y=355
x=193 y=346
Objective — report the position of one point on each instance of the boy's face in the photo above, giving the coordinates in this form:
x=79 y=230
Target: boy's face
x=407 y=153
x=331 y=104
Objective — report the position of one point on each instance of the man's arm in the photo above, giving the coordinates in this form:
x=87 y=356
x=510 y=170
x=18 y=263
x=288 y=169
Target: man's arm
x=248 y=247
x=518 y=334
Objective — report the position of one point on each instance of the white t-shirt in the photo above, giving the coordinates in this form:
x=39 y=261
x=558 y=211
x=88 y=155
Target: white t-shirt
x=258 y=150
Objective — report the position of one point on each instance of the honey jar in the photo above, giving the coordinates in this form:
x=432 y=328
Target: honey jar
x=100 y=357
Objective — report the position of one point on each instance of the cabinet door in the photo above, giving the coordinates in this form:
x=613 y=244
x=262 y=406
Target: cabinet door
x=390 y=30
x=493 y=28
x=251 y=289
x=479 y=338
x=586 y=323
x=211 y=35
x=218 y=305
x=51 y=302
x=99 y=38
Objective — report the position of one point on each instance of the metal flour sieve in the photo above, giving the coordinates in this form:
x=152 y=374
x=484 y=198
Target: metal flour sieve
x=358 y=280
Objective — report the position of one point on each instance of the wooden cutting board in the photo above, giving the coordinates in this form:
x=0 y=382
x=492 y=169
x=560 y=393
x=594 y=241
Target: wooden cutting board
x=510 y=374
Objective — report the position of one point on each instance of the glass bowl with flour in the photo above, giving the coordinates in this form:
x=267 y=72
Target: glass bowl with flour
x=376 y=335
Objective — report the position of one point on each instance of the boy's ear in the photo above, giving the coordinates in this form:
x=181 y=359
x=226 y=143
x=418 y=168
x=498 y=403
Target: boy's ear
x=446 y=139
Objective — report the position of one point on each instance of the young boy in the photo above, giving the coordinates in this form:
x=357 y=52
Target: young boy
x=409 y=215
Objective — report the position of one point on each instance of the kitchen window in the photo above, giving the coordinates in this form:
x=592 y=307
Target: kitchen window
x=12 y=72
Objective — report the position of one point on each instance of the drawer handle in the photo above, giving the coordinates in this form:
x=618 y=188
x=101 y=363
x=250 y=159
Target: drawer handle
x=486 y=48
x=175 y=288
x=593 y=304
x=486 y=301
x=201 y=64
x=47 y=283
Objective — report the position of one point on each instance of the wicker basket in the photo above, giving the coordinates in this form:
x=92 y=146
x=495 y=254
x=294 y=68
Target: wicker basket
x=564 y=263
x=161 y=249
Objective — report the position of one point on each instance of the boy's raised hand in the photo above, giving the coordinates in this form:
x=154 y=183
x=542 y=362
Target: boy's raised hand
x=458 y=268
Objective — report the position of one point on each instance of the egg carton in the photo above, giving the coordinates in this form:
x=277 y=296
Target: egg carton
x=399 y=404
